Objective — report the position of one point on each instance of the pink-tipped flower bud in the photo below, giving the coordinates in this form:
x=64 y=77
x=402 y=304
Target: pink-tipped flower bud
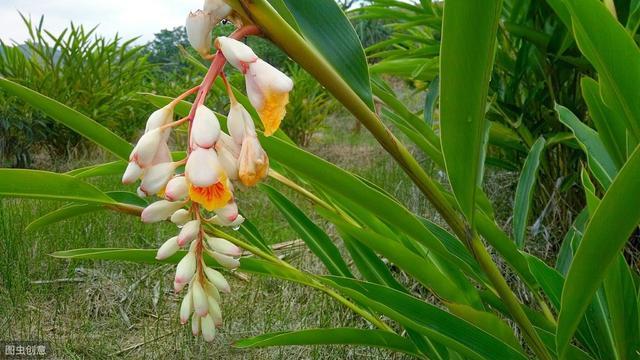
x=186 y=268
x=239 y=123
x=186 y=308
x=217 y=279
x=203 y=168
x=195 y=324
x=229 y=212
x=181 y=217
x=146 y=148
x=225 y=260
x=223 y=246
x=159 y=210
x=218 y=220
x=215 y=312
x=167 y=249
x=199 y=28
x=156 y=177
x=236 y=52
x=189 y=232
x=208 y=328
x=177 y=189
x=159 y=118
x=205 y=129
x=200 y=304
x=132 y=173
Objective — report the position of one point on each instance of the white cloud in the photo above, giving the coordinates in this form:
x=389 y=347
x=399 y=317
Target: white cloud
x=129 y=18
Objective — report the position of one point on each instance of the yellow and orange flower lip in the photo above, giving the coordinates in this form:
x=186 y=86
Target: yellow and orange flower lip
x=211 y=197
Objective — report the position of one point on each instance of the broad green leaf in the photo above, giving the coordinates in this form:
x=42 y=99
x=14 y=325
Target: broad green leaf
x=606 y=234
x=63 y=213
x=486 y=321
x=253 y=236
x=70 y=118
x=144 y=256
x=465 y=69
x=525 y=190
x=335 y=180
x=424 y=270
x=346 y=336
x=125 y=199
x=610 y=127
x=615 y=56
x=590 y=192
x=323 y=24
x=600 y=163
x=111 y=168
x=47 y=185
x=437 y=324
x=315 y=238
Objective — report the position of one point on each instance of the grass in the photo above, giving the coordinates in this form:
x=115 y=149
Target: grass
x=101 y=309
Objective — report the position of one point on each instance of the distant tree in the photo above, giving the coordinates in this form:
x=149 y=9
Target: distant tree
x=165 y=48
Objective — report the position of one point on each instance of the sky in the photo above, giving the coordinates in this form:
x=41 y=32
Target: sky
x=129 y=18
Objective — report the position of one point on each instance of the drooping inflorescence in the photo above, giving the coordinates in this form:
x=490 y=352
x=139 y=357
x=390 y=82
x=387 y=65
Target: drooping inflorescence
x=203 y=195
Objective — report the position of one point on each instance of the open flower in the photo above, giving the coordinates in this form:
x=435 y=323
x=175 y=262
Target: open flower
x=208 y=184
x=253 y=162
x=199 y=26
x=268 y=90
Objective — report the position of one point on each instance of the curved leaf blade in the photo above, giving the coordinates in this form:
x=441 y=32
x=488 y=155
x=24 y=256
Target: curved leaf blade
x=605 y=236
x=48 y=185
x=346 y=336
x=524 y=192
x=465 y=69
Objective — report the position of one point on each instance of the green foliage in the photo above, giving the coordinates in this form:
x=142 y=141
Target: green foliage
x=459 y=304
x=98 y=77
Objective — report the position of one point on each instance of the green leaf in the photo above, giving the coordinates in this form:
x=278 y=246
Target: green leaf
x=524 y=192
x=47 y=185
x=590 y=192
x=606 y=234
x=430 y=100
x=70 y=118
x=613 y=53
x=315 y=238
x=325 y=26
x=486 y=321
x=465 y=69
x=437 y=324
x=610 y=127
x=600 y=163
x=350 y=336
x=337 y=181
x=143 y=256
x=63 y=213
x=111 y=168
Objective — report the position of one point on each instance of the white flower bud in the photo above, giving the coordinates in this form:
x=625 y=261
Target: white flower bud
x=223 y=246
x=180 y=217
x=211 y=291
x=195 y=324
x=225 y=260
x=200 y=304
x=189 y=232
x=208 y=328
x=186 y=308
x=159 y=118
x=146 y=148
x=163 y=155
x=186 y=268
x=177 y=189
x=203 y=168
x=218 y=220
x=167 y=249
x=132 y=173
x=236 y=52
x=156 y=177
x=205 y=129
x=177 y=287
x=199 y=28
x=228 y=153
x=239 y=123
x=217 y=279
x=159 y=210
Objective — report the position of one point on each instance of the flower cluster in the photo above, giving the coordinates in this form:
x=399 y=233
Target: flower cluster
x=203 y=195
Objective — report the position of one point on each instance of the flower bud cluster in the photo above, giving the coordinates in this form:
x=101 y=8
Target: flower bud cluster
x=203 y=194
